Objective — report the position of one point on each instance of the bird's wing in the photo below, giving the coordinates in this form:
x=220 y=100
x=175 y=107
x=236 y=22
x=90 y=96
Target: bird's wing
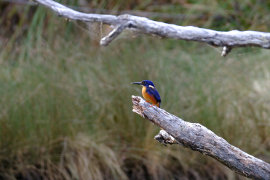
x=153 y=91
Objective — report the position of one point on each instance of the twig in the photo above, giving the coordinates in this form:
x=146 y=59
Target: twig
x=113 y=34
x=199 y=138
x=230 y=39
x=226 y=50
x=164 y=138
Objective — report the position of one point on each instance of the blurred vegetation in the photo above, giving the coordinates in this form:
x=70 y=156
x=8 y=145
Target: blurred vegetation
x=65 y=105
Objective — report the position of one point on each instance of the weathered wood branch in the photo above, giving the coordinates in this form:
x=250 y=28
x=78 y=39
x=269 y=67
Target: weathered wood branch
x=164 y=138
x=199 y=138
x=113 y=34
x=227 y=39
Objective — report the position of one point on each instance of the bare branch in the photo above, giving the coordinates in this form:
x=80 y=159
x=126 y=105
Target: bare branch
x=113 y=34
x=226 y=50
x=230 y=39
x=199 y=138
x=164 y=138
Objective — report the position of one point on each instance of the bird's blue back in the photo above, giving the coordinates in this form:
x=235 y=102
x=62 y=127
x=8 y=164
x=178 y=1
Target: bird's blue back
x=154 y=92
x=151 y=90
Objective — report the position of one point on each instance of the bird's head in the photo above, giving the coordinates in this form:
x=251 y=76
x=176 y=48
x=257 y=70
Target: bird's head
x=146 y=83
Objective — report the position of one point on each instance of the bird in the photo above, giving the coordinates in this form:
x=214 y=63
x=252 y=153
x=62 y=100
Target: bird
x=149 y=92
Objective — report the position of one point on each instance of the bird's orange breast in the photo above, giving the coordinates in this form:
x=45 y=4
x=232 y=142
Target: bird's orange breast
x=149 y=98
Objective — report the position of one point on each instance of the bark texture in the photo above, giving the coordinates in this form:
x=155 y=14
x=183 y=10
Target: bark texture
x=228 y=39
x=199 y=138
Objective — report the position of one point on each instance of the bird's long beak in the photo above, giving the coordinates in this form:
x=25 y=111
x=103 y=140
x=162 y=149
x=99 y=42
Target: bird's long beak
x=138 y=83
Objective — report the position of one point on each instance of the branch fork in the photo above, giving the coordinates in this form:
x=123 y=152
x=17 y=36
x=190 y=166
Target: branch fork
x=176 y=130
x=114 y=33
x=226 y=39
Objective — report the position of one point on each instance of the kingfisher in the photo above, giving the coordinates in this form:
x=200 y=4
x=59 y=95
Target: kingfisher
x=149 y=92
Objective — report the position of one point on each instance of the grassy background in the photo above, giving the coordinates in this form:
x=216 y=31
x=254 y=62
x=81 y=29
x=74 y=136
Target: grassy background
x=65 y=105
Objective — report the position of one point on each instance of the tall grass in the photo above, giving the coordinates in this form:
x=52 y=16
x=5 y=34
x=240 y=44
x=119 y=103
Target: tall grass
x=66 y=109
x=65 y=105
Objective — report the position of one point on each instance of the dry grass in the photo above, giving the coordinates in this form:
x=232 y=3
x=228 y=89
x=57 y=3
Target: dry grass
x=65 y=105
x=66 y=110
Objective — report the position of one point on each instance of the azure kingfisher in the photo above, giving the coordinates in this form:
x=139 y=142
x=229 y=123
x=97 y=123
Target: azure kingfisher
x=149 y=92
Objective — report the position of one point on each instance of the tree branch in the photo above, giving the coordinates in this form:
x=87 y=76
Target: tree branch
x=113 y=34
x=229 y=39
x=226 y=50
x=199 y=138
x=164 y=138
